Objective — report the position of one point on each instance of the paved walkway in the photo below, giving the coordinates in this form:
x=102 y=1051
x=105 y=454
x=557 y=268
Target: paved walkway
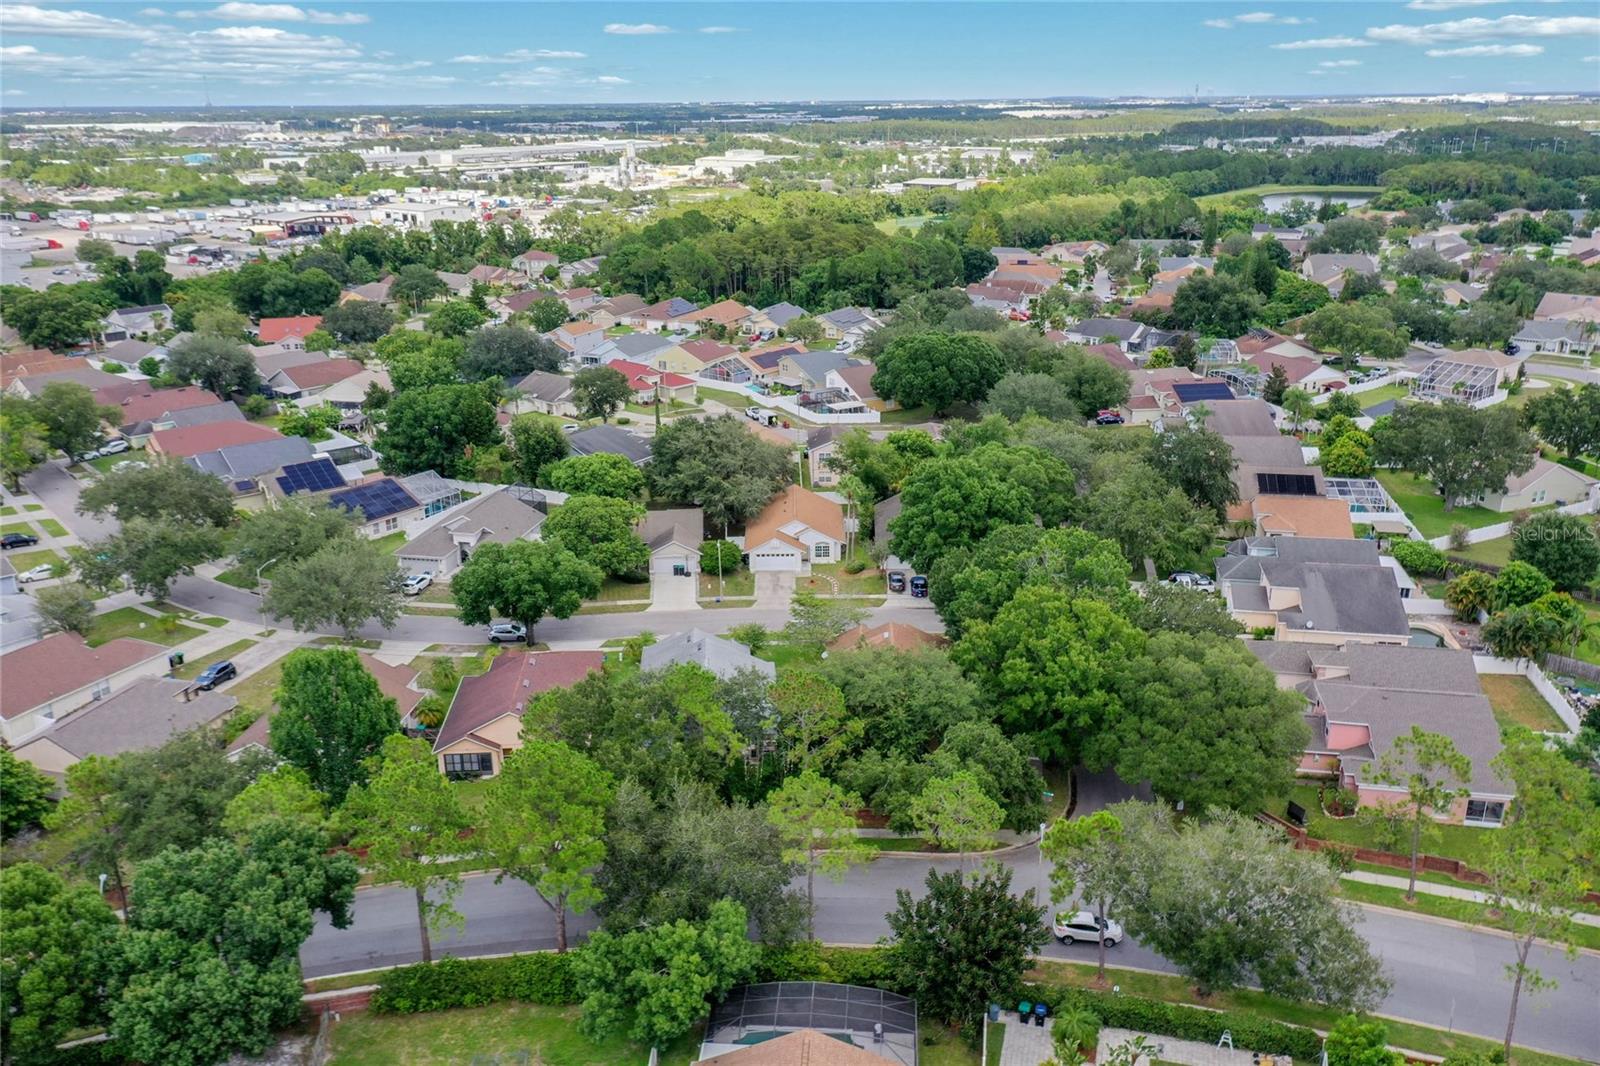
x=1430 y=888
x=1025 y=1045
x=1188 y=1052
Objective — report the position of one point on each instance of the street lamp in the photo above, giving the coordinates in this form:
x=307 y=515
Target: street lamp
x=262 y=606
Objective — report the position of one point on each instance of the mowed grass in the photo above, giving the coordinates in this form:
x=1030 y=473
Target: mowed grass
x=1517 y=703
x=1461 y=842
x=1382 y=394
x=1456 y=910
x=548 y=1035
x=1496 y=552
x=52 y=527
x=1425 y=507
x=28 y=560
x=132 y=622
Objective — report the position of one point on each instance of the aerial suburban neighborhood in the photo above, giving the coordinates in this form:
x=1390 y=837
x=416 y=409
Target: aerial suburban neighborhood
x=955 y=560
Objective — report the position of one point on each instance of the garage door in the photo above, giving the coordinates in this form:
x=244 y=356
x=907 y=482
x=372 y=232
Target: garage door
x=775 y=560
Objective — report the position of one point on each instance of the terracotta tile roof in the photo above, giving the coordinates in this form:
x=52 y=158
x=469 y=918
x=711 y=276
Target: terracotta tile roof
x=35 y=361
x=273 y=330
x=795 y=504
x=889 y=635
x=513 y=679
x=1303 y=516
x=63 y=663
x=185 y=441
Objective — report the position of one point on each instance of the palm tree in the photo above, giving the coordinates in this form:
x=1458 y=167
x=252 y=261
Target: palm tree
x=1297 y=402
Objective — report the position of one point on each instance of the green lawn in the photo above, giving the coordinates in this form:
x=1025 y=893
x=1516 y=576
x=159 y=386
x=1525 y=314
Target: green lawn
x=1458 y=910
x=37 y=557
x=1495 y=552
x=611 y=608
x=727 y=397
x=1452 y=842
x=52 y=527
x=787 y=654
x=18 y=527
x=1174 y=989
x=390 y=543
x=33 y=507
x=1382 y=394
x=1425 y=507
x=191 y=669
x=869 y=582
x=548 y=1035
x=132 y=622
x=741 y=583
x=614 y=589
x=7 y=512
x=1517 y=702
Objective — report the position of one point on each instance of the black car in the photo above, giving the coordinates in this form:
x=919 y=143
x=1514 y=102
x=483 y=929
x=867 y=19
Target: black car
x=897 y=581
x=919 y=586
x=216 y=674
x=1108 y=420
x=18 y=540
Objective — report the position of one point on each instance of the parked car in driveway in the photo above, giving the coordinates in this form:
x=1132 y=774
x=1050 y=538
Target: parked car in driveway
x=38 y=573
x=416 y=583
x=1086 y=927
x=1190 y=579
x=1108 y=418
x=919 y=587
x=113 y=447
x=507 y=632
x=897 y=581
x=216 y=674
x=18 y=540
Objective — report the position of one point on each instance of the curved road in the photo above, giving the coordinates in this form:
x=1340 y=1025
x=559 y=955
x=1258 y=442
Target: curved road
x=1443 y=975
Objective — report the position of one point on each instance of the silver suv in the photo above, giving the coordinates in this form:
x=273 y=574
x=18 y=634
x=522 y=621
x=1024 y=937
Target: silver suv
x=507 y=632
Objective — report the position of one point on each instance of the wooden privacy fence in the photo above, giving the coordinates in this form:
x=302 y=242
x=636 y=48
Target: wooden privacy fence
x=1560 y=664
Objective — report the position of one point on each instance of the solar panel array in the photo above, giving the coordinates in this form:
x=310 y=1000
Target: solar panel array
x=1202 y=390
x=376 y=500
x=317 y=475
x=814 y=1005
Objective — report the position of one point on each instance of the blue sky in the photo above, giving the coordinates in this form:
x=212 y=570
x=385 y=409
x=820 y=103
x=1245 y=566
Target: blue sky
x=462 y=51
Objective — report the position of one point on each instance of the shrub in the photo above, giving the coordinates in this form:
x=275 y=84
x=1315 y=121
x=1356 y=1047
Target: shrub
x=1418 y=557
x=1182 y=1022
x=540 y=977
x=854 y=566
x=1458 y=536
x=624 y=421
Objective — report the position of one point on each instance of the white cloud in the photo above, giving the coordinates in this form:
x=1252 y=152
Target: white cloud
x=1489 y=50
x=1331 y=63
x=14 y=92
x=521 y=55
x=611 y=79
x=719 y=29
x=1477 y=29
x=152 y=13
x=636 y=29
x=1591 y=59
x=26 y=57
x=56 y=22
x=241 y=11
x=1257 y=18
x=1323 y=42
x=1446 y=5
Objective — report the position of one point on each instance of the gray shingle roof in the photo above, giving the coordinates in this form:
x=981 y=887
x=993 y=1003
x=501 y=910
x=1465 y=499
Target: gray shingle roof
x=202 y=416
x=676 y=525
x=545 y=386
x=496 y=518
x=784 y=313
x=142 y=716
x=815 y=365
x=610 y=439
x=720 y=656
x=244 y=461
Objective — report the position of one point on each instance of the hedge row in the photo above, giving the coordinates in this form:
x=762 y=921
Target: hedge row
x=536 y=978
x=547 y=978
x=1184 y=1022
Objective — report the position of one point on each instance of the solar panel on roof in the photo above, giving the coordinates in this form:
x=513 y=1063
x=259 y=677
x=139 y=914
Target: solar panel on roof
x=317 y=475
x=380 y=499
x=1203 y=390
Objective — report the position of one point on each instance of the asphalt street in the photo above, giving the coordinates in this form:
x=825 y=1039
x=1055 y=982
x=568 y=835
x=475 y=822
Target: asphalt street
x=1443 y=975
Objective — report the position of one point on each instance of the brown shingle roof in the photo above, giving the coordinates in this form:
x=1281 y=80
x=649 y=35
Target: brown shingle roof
x=889 y=635
x=144 y=406
x=513 y=679
x=795 y=504
x=395 y=682
x=322 y=372
x=803 y=1047
x=63 y=663
x=185 y=441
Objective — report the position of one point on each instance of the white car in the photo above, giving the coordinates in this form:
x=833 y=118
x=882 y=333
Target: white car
x=416 y=583
x=753 y=412
x=1086 y=927
x=1190 y=579
x=113 y=447
x=571 y=427
x=507 y=632
x=38 y=573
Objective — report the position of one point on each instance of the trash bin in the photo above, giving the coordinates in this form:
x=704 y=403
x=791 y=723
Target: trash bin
x=1024 y=1011
x=994 y=1012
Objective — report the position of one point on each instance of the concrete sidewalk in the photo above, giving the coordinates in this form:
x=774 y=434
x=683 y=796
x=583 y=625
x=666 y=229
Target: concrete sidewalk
x=1430 y=888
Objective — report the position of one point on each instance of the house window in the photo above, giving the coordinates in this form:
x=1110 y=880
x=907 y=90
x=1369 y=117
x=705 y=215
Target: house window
x=822 y=551
x=474 y=764
x=102 y=689
x=1485 y=812
x=390 y=524
x=1539 y=497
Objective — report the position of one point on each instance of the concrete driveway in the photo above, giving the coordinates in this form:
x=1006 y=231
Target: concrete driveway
x=774 y=589
x=673 y=592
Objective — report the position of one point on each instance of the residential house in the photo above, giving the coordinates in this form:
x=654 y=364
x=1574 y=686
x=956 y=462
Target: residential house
x=373 y=291
x=649 y=384
x=382 y=505
x=797 y=528
x=546 y=393
x=1277 y=490
x=1568 y=307
x=667 y=316
x=484 y=723
x=579 y=268
x=811 y=1047
x=577 y=339
x=1126 y=334
x=716 y=655
x=46 y=681
x=778 y=315
x=271 y=358
x=241 y=464
x=612 y=440
x=432 y=491
x=809 y=371
x=455 y=284
x=142 y=409
x=1461 y=293
x=143 y=716
x=19 y=617
x=849 y=324
x=308 y=379
x=580 y=300
x=127 y=322
x=182 y=443
x=1151 y=396
x=35 y=361
x=1073 y=253
x=1449 y=245
x=1556 y=336
x=1468 y=376
x=533 y=262
x=855 y=379
x=1168 y=263
x=1329 y=269
x=108 y=389
x=1004 y=255
x=1544 y=484
x=288 y=332
x=1313 y=590
x=674 y=536
x=731 y=315
x=611 y=312
x=350 y=393
x=643 y=348
x=517 y=302
x=884 y=512
x=1106 y=353
x=765 y=365
x=1365 y=697
x=1301 y=371
x=896 y=635
x=493 y=275
x=1277 y=515
x=498 y=517
x=692 y=356
x=130 y=352
x=1004 y=299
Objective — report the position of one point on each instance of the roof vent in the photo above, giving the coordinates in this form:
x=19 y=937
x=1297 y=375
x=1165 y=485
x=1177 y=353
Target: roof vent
x=1311 y=625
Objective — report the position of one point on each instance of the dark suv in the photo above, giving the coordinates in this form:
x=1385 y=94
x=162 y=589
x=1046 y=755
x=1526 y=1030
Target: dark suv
x=216 y=674
x=919 y=586
x=18 y=540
